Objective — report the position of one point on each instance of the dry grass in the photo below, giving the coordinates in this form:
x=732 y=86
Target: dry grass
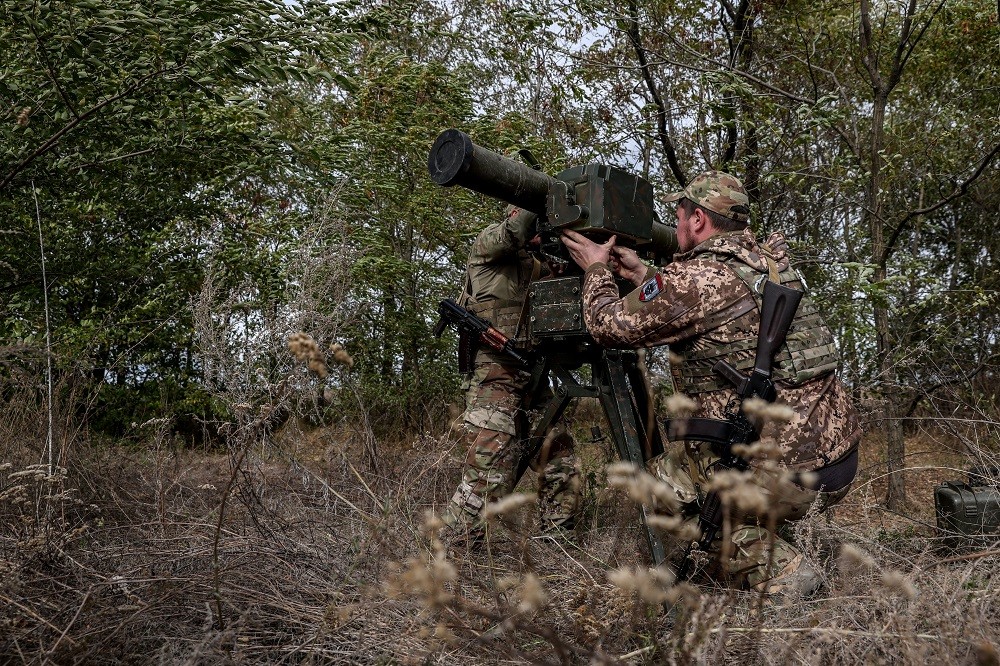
x=125 y=558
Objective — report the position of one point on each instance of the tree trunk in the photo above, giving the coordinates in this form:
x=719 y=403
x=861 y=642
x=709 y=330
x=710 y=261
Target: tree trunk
x=895 y=497
x=896 y=445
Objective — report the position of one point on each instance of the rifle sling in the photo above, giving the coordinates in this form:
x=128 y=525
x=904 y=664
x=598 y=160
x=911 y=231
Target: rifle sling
x=837 y=475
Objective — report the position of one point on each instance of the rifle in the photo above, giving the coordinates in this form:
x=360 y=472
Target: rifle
x=776 y=313
x=478 y=330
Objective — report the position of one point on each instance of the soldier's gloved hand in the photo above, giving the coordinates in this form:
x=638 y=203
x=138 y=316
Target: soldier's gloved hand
x=777 y=244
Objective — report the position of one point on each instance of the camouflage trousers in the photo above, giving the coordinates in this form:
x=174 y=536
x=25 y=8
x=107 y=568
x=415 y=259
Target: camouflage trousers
x=756 y=557
x=493 y=427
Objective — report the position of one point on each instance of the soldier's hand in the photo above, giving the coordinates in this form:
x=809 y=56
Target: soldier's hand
x=628 y=264
x=586 y=252
x=777 y=244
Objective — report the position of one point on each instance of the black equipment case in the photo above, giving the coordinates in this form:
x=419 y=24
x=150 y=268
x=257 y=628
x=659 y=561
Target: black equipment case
x=968 y=512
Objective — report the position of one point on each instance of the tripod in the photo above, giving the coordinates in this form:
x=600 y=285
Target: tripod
x=617 y=383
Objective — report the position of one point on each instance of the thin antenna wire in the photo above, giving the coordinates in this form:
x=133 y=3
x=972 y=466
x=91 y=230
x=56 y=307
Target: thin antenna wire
x=48 y=338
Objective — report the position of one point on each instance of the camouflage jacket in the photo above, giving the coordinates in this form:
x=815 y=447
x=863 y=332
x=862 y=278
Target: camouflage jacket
x=700 y=301
x=499 y=271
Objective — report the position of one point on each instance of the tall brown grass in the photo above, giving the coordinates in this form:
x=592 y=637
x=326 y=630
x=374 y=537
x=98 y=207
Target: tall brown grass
x=287 y=550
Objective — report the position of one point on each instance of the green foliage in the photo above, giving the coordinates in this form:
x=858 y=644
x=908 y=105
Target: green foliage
x=143 y=130
x=405 y=234
x=165 y=140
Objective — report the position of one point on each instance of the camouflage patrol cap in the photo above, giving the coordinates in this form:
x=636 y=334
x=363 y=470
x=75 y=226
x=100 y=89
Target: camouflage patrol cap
x=719 y=192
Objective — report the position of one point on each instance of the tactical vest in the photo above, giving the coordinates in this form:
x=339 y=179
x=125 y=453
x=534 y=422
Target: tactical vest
x=507 y=315
x=504 y=315
x=809 y=350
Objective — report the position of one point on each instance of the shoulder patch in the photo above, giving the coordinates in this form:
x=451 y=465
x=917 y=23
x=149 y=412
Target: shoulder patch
x=651 y=288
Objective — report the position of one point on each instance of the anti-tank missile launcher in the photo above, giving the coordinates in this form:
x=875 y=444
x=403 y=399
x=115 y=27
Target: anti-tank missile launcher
x=594 y=199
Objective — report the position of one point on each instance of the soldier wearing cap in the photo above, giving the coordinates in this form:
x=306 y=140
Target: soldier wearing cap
x=706 y=307
x=498 y=273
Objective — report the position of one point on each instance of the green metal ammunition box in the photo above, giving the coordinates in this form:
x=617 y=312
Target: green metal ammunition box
x=967 y=514
x=555 y=307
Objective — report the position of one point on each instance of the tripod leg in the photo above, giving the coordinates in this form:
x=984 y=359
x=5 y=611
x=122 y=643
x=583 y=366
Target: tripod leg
x=641 y=391
x=553 y=412
x=609 y=376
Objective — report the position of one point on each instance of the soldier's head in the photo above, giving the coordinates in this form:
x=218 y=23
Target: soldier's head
x=713 y=202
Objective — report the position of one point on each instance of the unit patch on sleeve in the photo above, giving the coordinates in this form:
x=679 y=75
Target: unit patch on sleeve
x=651 y=288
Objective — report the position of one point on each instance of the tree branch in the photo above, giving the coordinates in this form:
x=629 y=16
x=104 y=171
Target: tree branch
x=740 y=53
x=808 y=61
x=915 y=402
x=54 y=139
x=905 y=30
x=87 y=165
x=960 y=190
x=661 y=110
x=913 y=44
x=868 y=56
x=50 y=72
x=852 y=144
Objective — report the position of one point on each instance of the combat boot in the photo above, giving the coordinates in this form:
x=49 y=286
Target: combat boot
x=459 y=539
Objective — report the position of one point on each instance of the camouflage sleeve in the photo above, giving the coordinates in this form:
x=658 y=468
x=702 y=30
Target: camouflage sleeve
x=673 y=304
x=502 y=239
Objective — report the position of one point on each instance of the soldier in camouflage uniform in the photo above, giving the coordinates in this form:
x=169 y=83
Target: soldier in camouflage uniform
x=499 y=270
x=706 y=307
